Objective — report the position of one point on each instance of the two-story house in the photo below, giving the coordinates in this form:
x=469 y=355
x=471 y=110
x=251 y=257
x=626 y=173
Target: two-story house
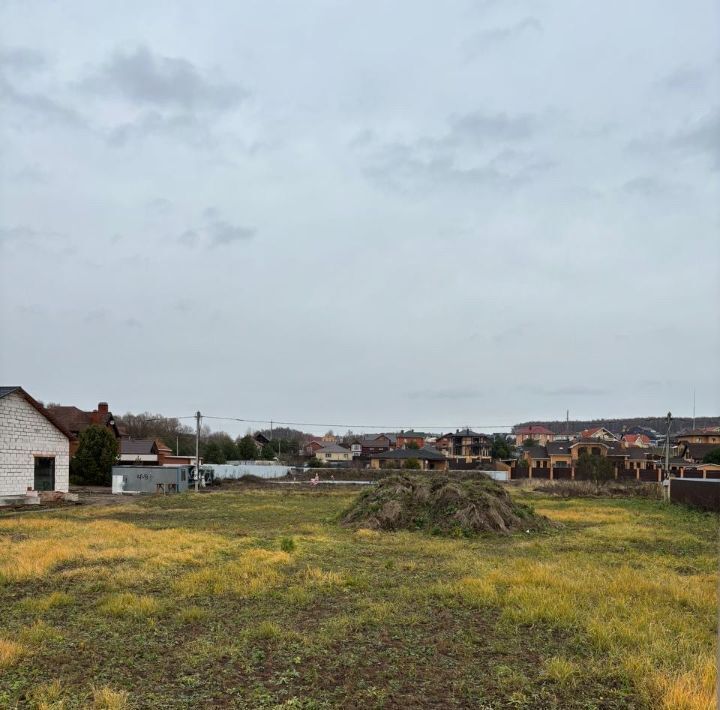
x=471 y=445
x=539 y=434
x=410 y=439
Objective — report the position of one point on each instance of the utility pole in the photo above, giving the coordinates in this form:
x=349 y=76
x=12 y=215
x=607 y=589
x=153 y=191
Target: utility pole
x=198 y=417
x=667 y=446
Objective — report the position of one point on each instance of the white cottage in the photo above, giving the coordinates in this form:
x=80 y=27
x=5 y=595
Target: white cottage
x=34 y=448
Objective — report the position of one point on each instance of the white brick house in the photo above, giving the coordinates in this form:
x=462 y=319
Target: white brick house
x=34 y=449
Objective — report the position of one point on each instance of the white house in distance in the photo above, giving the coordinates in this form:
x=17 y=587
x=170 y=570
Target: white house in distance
x=34 y=449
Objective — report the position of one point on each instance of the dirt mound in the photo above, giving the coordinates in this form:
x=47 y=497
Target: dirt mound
x=441 y=504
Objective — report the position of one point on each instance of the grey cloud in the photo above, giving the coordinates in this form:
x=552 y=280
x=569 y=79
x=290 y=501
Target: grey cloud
x=450 y=393
x=702 y=137
x=40 y=106
x=486 y=39
x=651 y=188
x=565 y=391
x=148 y=79
x=215 y=232
x=22 y=59
x=478 y=148
x=222 y=233
x=32 y=174
x=184 y=127
x=47 y=242
x=699 y=137
x=685 y=79
x=189 y=238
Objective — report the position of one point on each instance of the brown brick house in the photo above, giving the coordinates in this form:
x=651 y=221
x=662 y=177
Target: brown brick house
x=77 y=420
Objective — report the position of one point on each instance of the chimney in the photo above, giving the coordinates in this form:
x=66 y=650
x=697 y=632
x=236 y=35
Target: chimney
x=102 y=408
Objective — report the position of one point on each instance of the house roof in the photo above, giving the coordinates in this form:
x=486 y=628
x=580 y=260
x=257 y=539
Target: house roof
x=412 y=434
x=634 y=438
x=699 y=451
x=77 y=420
x=138 y=447
x=333 y=449
x=587 y=441
x=537 y=452
x=6 y=391
x=558 y=448
x=533 y=429
x=466 y=432
x=588 y=433
x=425 y=453
x=637 y=453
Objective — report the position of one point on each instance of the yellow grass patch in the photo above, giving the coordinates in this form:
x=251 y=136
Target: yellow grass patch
x=45 y=602
x=10 y=652
x=47 y=696
x=105 y=698
x=366 y=534
x=192 y=614
x=561 y=670
x=254 y=573
x=129 y=605
x=317 y=577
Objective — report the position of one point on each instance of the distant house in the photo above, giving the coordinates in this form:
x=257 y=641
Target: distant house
x=695 y=453
x=312 y=447
x=599 y=432
x=642 y=440
x=559 y=453
x=77 y=420
x=34 y=446
x=150 y=452
x=372 y=444
x=539 y=434
x=443 y=443
x=410 y=438
x=709 y=435
x=429 y=459
x=589 y=446
x=471 y=445
x=333 y=454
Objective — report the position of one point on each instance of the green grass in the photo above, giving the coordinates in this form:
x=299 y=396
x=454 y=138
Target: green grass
x=258 y=599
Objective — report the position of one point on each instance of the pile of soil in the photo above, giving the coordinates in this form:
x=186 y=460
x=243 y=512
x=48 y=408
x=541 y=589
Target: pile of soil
x=441 y=504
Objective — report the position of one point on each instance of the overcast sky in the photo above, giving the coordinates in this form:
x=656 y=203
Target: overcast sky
x=395 y=213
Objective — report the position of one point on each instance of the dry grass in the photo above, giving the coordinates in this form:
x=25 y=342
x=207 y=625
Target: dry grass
x=129 y=605
x=10 y=652
x=48 y=696
x=254 y=573
x=44 y=602
x=105 y=698
x=633 y=585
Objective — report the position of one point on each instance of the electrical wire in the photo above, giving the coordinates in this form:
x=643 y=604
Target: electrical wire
x=359 y=426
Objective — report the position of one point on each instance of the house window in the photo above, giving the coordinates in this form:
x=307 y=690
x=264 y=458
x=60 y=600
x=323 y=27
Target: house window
x=44 y=479
x=596 y=451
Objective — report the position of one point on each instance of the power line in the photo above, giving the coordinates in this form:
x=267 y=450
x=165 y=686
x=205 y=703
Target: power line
x=360 y=426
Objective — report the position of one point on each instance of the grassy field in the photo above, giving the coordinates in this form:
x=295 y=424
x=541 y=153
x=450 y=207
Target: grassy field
x=258 y=599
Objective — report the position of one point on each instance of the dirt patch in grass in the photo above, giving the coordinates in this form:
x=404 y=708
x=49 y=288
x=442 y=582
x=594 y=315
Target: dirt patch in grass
x=441 y=505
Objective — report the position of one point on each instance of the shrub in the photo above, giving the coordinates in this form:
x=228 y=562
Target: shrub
x=96 y=454
x=413 y=464
x=287 y=544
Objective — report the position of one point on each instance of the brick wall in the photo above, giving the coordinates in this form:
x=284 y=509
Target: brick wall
x=25 y=434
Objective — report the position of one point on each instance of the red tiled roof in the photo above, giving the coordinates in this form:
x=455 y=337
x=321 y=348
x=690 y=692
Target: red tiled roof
x=634 y=438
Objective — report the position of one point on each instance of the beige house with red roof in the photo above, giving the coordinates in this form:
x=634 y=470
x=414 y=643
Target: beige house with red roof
x=636 y=440
x=599 y=432
x=539 y=434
